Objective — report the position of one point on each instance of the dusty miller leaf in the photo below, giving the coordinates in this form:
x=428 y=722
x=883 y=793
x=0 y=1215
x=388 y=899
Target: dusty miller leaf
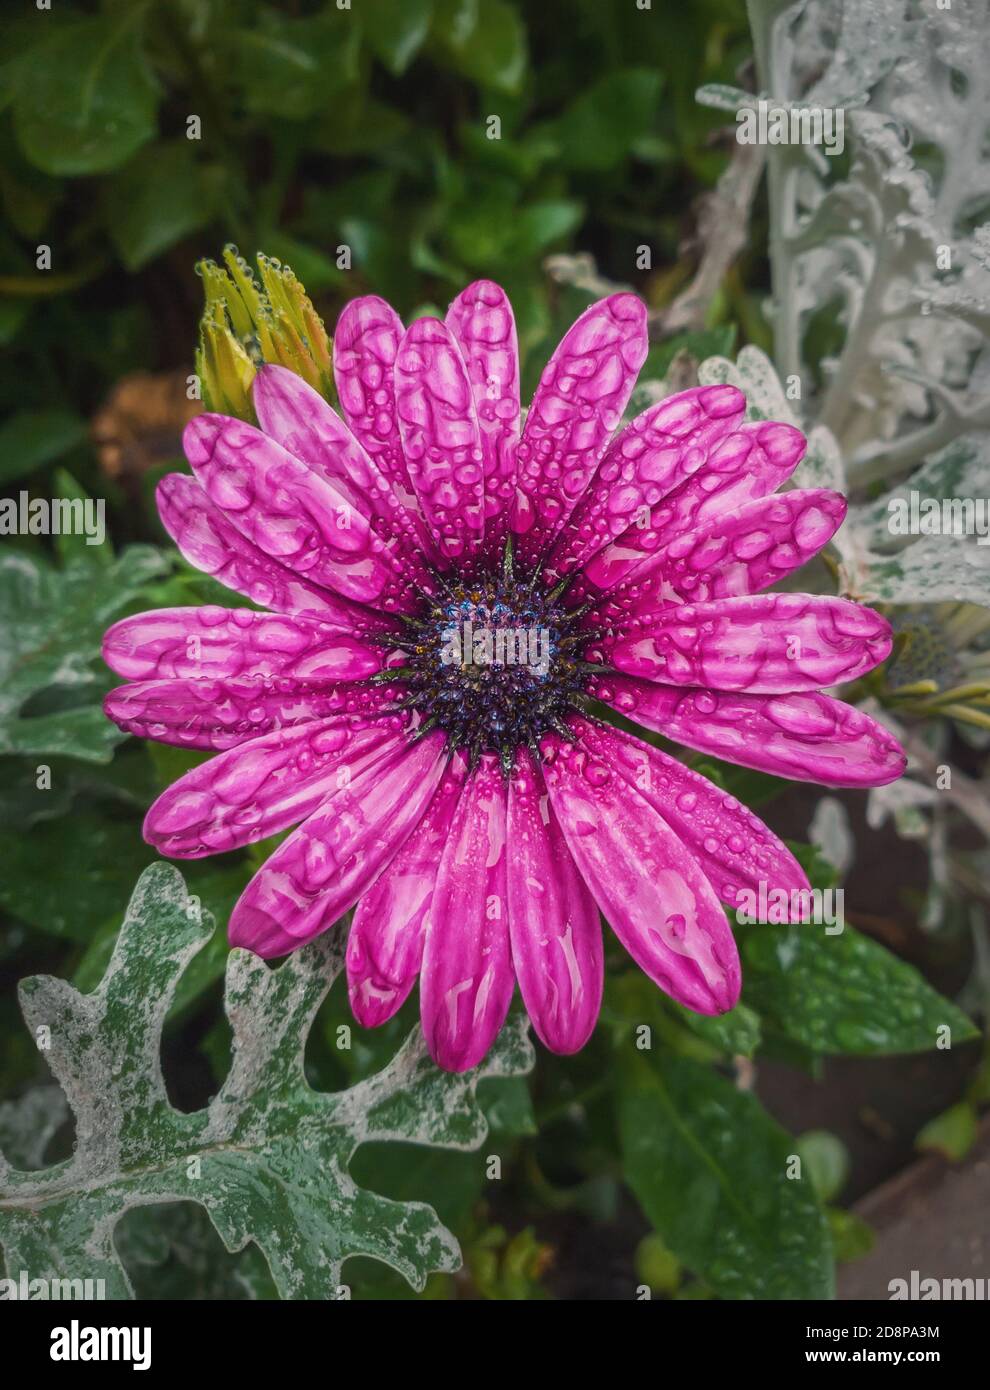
x=53 y=620
x=862 y=249
x=875 y=565
x=272 y=1153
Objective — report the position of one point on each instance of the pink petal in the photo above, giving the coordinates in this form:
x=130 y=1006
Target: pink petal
x=733 y=846
x=213 y=544
x=365 y=347
x=441 y=437
x=287 y=510
x=299 y=419
x=336 y=855
x=655 y=453
x=554 y=926
x=751 y=462
x=466 y=982
x=809 y=737
x=385 y=945
x=736 y=553
x=481 y=320
x=764 y=644
x=209 y=642
x=649 y=886
x=577 y=407
x=261 y=787
x=219 y=714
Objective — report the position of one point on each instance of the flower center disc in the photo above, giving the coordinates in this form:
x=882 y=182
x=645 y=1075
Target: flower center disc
x=494 y=663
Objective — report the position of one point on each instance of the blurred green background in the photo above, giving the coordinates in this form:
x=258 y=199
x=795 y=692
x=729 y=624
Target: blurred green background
x=322 y=127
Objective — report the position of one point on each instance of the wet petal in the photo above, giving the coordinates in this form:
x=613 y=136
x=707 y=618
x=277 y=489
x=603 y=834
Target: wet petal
x=286 y=509
x=299 y=419
x=441 y=437
x=337 y=854
x=577 y=407
x=365 y=346
x=219 y=714
x=482 y=322
x=809 y=737
x=554 y=928
x=750 y=462
x=466 y=982
x=385 y=945
x=265 y=785
x=654 y=454
x=763 y=644
x=733 y=846
x=210 y=642
x=213 y=544
x=736 y=553
x=649 y=886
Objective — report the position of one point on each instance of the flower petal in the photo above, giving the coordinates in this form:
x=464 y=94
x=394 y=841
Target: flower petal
x=441 y=437
x=337 y=854
x=751 y=462
x=213 y=544
x=554 y=928
x=763 y=644
x=261 y=787
x=733 y=846
x=809 y=737
x=482 y=322
x=287 y=510
x=736 y=553
x=220 y=714
x=577 y=407
x=298 y=418
x=365 y=346
x=209 y=642
x=655 y=453
x=649 y=886
x=466 y=982
x=385 y=944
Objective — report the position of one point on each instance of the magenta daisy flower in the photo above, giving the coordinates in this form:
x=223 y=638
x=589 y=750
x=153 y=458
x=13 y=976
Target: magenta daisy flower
x=449 y=600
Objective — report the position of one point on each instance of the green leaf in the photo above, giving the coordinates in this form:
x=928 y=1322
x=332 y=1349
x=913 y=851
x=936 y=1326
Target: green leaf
x=951 y=1134
x=293 y=67
x=709 y=1168
x=843 y=993
x=538 y=225
x=70 y=545
x=70 y=874
x=173 y=1252
x=160 y=197
x=852 y=1238
x=54 y=622
x=600 y=129
x=827 y=1161
x=268 y=1158
x=86 y=100
x=656 y=1265
x=396 y=30
x=32 y=438
x=492 y=50
x=357 y=124
x=13 y=312
x=736 y=1033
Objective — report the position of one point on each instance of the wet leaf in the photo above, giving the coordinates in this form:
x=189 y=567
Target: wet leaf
x=268 y=1158
x=843 y=993
x=709 y=1168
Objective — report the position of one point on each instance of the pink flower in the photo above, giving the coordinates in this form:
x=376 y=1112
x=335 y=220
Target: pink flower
x=474 y=811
